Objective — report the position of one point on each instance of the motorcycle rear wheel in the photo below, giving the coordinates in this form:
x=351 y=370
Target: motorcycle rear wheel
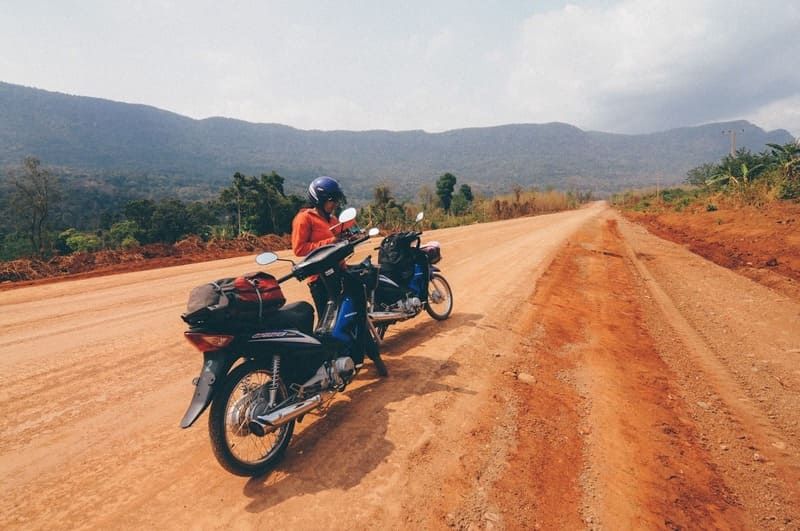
x=440 y=298
x=237 y=449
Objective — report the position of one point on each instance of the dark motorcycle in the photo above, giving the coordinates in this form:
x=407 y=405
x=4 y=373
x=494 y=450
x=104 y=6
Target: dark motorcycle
x=287 y=370
x=409 y=281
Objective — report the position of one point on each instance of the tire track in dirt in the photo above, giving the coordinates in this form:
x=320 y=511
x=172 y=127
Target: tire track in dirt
x=746 y=419
x=604 y=439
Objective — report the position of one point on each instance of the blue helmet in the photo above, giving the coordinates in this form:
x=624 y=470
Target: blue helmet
x=323 y=188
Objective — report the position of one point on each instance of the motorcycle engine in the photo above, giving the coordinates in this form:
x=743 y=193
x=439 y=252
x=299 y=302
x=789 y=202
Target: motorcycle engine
x=335 y=375
x=410 y=305
x=344 y=368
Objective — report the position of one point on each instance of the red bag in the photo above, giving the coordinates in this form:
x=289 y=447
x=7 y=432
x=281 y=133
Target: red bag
x=261 y=289
x=241 y=301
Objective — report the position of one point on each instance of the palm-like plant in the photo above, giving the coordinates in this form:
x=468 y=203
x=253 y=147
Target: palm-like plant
x=788 y=158
x=728 y=175
x=741 y=183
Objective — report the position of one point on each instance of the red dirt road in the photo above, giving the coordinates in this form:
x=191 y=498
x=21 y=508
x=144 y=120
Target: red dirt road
x=591 y=376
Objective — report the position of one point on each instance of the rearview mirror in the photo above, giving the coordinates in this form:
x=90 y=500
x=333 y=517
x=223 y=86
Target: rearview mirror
x=348 y=214
x=266 y=258
x=420 y=216
x=373 y=232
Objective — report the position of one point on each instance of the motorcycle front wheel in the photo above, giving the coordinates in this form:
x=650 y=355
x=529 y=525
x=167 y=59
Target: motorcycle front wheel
x=239 y=450
x=440 y=298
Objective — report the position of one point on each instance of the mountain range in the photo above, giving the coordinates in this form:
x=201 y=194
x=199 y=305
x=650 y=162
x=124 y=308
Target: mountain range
x=97 y=137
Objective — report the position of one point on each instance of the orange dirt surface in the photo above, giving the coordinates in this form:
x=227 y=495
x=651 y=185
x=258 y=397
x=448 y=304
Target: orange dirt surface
x=26 y=272
x=761 y=243
x=591 y=376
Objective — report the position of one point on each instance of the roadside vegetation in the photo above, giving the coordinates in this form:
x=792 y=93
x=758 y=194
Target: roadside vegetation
x=741 y=179
x=741 y=213
x=252 y=213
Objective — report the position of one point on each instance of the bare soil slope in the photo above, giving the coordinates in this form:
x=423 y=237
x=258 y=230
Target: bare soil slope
x=591 y=376
x=761 y=243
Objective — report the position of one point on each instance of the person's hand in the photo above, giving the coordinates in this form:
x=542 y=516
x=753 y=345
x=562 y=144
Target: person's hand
x=352 y=236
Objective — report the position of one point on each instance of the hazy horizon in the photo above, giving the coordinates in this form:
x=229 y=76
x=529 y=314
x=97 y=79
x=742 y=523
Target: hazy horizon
x=618 y=66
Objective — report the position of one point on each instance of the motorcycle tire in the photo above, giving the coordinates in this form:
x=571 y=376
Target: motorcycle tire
x=237 y=449
x=439 y=288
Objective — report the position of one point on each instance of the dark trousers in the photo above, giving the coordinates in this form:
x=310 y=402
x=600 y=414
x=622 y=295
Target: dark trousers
x=320 y=296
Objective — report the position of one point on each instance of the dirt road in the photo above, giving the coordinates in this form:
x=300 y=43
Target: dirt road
x=591 y=376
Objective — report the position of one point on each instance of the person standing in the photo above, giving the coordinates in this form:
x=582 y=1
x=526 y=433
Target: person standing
x=312 y=228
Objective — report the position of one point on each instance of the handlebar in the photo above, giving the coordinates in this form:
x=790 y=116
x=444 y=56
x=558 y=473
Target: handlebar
x=297 y=270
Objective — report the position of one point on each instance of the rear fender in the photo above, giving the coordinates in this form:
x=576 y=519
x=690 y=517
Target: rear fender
x=215 y=367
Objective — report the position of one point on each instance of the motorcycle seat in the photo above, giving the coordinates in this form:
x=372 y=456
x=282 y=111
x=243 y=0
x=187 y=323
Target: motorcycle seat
x=298 y=315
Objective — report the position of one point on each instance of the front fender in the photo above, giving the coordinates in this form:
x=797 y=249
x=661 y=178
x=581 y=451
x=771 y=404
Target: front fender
x=215 y=367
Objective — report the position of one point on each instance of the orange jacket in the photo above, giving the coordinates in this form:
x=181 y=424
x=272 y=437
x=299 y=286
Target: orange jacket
x=310 y=230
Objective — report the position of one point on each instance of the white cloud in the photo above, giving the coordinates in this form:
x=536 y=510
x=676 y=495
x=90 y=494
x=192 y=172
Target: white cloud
x=619 y=65
x=640 y=65
x=779 y=114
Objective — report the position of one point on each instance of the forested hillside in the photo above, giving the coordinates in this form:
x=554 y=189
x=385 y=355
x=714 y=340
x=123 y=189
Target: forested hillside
x=140 y=149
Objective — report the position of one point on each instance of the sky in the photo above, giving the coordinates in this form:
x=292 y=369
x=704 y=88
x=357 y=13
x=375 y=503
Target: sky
x=623 y=66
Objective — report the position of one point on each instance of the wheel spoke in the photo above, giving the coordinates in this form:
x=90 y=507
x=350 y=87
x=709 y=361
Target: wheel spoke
x=249 y=448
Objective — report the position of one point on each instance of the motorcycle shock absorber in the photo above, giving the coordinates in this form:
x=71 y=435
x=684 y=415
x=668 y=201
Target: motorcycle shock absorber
x=273 y=386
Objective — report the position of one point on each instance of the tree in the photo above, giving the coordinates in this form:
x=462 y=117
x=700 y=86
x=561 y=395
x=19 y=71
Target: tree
x=459 y=205
x=787 y=158
x=426 y=197
x=259 y=205
x=80 y=242
x=700 y=175
x=124 y=233
x=466 y=191
x=203 y=216
x=384 y=209
x=140 y=211
x=269 y=190
x=444 y=189
x=170 y=221
x=36 y=190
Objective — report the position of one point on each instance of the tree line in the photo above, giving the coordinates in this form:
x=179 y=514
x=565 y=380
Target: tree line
x=250 y=205
x=775 y=171
x=741 y=178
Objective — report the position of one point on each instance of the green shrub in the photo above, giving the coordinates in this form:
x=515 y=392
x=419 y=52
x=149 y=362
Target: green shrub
x=128 y=242
x=789 y=189
x=80 y=242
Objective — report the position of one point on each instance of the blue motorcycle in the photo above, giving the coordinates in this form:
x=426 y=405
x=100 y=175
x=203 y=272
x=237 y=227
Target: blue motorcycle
x=409 y=281
x=287 y=369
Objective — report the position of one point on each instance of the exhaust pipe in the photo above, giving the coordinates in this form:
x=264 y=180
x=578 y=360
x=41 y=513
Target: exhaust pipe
x=260 y=423
x=383 y=317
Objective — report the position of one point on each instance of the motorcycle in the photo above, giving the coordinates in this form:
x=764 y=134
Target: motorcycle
x=408 y=281
x=287 y=370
